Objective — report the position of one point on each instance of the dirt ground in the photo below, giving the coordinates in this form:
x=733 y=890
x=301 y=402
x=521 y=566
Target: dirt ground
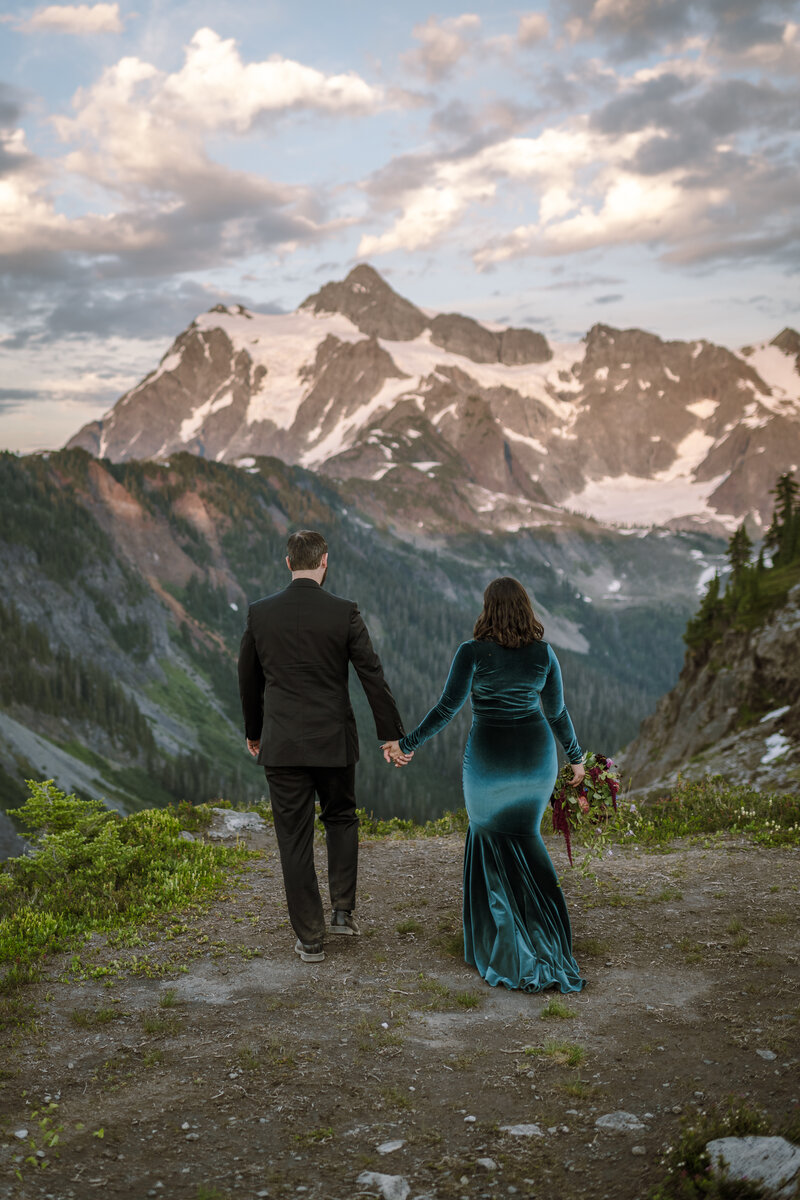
x=223 y=1066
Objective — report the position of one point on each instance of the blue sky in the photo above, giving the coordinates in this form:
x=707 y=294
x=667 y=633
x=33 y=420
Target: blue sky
x=633 y=162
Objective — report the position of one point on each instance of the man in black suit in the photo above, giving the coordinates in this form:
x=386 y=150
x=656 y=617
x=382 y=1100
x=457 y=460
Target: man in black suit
x=299 y=723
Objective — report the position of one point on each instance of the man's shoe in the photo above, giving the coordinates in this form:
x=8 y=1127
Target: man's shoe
x=309 y=952
x=344 y=922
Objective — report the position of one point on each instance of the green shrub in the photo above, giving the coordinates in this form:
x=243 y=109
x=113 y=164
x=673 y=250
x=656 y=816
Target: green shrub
x=714 y=805
x=94 y=870
x=688 y=1172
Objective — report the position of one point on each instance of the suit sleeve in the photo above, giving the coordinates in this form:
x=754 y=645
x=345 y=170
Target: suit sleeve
x=388 y=724
x=555 y=710
x=456 y=690
x=251 y=685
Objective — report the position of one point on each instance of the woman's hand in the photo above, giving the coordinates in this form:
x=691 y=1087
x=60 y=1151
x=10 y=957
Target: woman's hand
x=393 y=754
x=578 y=774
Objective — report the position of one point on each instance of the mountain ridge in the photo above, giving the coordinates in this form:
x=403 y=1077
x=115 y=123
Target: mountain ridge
x=360 y=384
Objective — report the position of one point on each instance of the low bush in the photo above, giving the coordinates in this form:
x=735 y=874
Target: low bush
x=689 y=1173
x=92 y=869
x=713 y=805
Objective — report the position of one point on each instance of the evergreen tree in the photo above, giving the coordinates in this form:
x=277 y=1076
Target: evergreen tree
x=782 y=535
x=740 y=547
x=704 y=627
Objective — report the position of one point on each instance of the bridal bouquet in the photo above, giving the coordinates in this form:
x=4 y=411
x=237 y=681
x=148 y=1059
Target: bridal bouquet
x=593 y=800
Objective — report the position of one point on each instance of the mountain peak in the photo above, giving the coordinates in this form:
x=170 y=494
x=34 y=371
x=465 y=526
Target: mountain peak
x=366 y=299
x=788 y=340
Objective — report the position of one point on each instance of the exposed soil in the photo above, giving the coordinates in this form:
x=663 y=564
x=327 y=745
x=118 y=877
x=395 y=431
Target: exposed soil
x=269 y=1077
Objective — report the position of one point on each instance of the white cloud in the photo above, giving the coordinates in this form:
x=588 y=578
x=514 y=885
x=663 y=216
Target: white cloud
x=628 y=209
x=138 y=125
x=582 y=182
x=216 y=89
x=74 y=18
x=433 y=208
x=533 y=28
x=140 y=134
x=442 y=45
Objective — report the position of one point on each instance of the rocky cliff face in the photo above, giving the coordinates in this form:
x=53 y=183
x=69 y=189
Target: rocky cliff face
x=736 y=714
x=361 y=384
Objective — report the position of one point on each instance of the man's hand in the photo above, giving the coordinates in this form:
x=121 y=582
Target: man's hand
x=254 y=747
x=393 y=754
x=578 y=773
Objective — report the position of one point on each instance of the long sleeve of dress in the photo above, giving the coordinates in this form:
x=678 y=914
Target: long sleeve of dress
x=456 y=690
x=554 y=708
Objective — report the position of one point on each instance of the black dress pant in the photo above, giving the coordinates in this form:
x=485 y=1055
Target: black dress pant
x=292 y=792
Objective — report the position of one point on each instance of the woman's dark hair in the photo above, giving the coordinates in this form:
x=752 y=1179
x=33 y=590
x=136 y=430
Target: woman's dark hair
x=305 y=549
x=507 y=616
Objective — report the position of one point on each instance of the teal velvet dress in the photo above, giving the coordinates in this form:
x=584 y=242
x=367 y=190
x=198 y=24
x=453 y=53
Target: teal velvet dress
x=516 y=926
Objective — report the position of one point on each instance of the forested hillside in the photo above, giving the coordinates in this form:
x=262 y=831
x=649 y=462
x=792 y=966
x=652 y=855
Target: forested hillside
x=124 y=590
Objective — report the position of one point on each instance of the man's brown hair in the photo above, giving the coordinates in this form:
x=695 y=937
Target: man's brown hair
x=507 y=615
x=305 y=549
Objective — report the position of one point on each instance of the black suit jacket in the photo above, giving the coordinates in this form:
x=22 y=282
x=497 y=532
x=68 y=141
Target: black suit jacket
x=293 y=674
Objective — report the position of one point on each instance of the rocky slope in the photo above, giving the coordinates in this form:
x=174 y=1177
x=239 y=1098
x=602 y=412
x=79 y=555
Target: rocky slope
x=735 y=712
x=441 y=422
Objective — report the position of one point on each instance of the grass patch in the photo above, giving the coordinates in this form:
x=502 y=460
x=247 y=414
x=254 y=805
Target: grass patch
x=84 y=1018
x=666 y=894
x=688 y=1173
x=441 y=998
x=398 y=827
x=277 y=1060
x=394 y=1098
x=714 y=805
x=564 y=1054
x=409 y=926
x=158 y=1026
x=580 y=1089
x=594 y=947
x=557 y=1010
x=96 y=871
x=469 y=1000
x=314 y=1137
x=168 y=999
x=451 y=942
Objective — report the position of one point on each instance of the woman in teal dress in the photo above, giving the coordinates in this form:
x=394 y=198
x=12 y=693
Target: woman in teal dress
x=516 y=926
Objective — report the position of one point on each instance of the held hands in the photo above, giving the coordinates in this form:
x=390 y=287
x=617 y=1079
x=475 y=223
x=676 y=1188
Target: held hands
x=393 y=754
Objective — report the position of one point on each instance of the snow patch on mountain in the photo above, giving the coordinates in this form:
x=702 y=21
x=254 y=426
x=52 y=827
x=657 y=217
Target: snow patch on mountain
x=779 y=372
x=533 y=442
x=284 y=345
x=348 y=426
x=703 y=408
x=655 y=501
x=420 y=358
x=192 y=425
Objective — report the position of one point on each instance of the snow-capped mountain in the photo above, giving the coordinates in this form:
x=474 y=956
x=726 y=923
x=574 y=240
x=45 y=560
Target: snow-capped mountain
x=489 y=425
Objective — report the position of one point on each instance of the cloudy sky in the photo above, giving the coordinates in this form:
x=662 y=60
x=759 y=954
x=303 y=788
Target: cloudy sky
x=627 y=161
